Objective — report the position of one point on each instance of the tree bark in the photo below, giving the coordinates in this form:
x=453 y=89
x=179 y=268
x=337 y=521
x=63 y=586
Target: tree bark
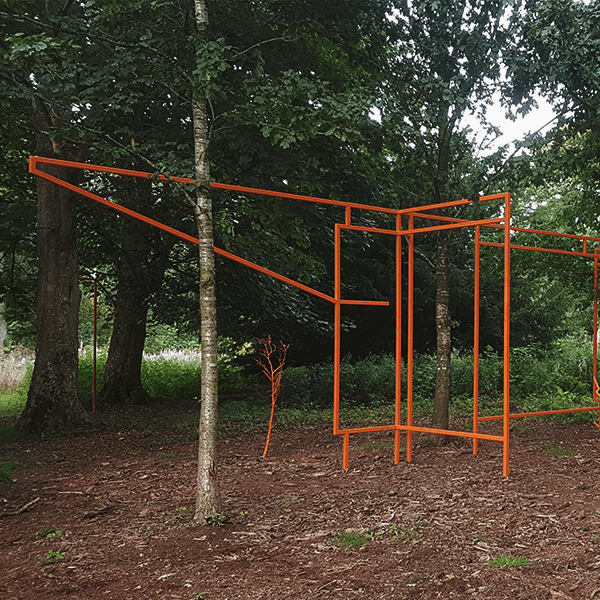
x=443 y=320
x=53 y=401
x=123 y=371
x=208 y=498
x=143 y=260
x=443 y=323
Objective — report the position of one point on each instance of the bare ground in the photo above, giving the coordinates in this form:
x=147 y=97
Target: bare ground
x=116 y=506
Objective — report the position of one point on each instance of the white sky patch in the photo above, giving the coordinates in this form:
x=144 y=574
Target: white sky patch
x=538 y=120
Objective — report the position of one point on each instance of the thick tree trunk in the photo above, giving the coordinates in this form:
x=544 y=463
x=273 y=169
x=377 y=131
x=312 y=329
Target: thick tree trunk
x=123 y=371
x=443 y=323
x=122 y=374
x=53 y=401
x=208 y=498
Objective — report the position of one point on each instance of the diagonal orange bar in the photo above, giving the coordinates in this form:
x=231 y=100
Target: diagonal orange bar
x=131 y=213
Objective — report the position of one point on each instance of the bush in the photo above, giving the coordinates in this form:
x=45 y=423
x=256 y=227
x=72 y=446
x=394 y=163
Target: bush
x=86 y=375
x=551 y=380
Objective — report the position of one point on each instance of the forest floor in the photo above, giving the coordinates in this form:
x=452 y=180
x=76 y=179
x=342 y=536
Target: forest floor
x=107 y=514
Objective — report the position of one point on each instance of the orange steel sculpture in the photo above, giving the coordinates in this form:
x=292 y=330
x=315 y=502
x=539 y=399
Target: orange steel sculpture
x=404 y=226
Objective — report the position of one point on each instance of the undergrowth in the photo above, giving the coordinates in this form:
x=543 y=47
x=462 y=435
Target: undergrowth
x=541 y=380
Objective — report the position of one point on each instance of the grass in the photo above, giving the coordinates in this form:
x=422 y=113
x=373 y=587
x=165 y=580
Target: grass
x=48 y=533
x=350 y=539
x=553 y=450
x=52 y=557
x=367 y=389
x=509 y=561
x=5 y=469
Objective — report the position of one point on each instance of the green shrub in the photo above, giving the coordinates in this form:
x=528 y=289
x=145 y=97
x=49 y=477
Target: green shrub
x=171 y=379
x=368 y=381
x=164 y=378
x=309 y=387
x=11 y=405
x=86 y=374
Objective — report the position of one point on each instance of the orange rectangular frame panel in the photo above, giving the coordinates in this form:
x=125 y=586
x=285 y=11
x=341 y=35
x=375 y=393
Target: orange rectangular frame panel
x=421 y=212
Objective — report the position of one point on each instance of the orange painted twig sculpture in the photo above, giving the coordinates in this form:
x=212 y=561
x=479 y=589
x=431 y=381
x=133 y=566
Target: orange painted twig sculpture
x=271 y=361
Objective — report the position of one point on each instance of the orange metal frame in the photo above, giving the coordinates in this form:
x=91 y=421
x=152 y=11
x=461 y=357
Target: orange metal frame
x=410 y=215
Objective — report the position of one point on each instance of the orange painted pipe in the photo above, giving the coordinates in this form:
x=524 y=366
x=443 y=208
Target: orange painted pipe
x=398 y=345
x=410 y=341
x=476 y=286
x=506 y=412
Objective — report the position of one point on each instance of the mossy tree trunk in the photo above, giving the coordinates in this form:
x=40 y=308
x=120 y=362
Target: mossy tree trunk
x=53 y=401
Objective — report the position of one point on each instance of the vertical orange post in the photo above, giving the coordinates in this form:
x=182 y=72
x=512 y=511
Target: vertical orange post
x=346 y=450
x=398 y=396
x=410 y=339
x=337 y=336
x=595 y=338
x=506 y=408
x=476 y=341
x=595 y=390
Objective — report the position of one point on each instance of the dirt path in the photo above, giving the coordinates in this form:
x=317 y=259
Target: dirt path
x=116 y=505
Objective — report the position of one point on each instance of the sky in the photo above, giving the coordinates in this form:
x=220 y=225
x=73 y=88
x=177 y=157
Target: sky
x=514 y=130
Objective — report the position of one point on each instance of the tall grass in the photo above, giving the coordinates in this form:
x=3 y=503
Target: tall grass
x=165 y=376
x=12 y=404
x=540 y=380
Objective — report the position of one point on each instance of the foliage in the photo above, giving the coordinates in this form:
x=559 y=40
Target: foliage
x=160 y=336
x=86 y=320
x=509 y=561
x=406 y=534
x=11 y=404
x=216 y=520
x=350 y=539
x=48 y=533
x=52 y=557
x=85 y=374
x=292 y=86
x=6 y=468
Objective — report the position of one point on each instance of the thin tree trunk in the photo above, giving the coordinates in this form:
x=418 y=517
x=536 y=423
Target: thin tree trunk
x=443 y=320
x=53 y=401
x=208 y=499
x=443 y=323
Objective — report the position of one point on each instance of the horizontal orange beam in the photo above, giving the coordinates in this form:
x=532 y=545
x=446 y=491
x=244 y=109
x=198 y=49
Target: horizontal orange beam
x=34 y=160
x=534 y=249
x=540 y=414
x=466 y=434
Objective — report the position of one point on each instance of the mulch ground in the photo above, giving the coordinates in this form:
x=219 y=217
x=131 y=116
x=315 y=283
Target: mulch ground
x=113 y=509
